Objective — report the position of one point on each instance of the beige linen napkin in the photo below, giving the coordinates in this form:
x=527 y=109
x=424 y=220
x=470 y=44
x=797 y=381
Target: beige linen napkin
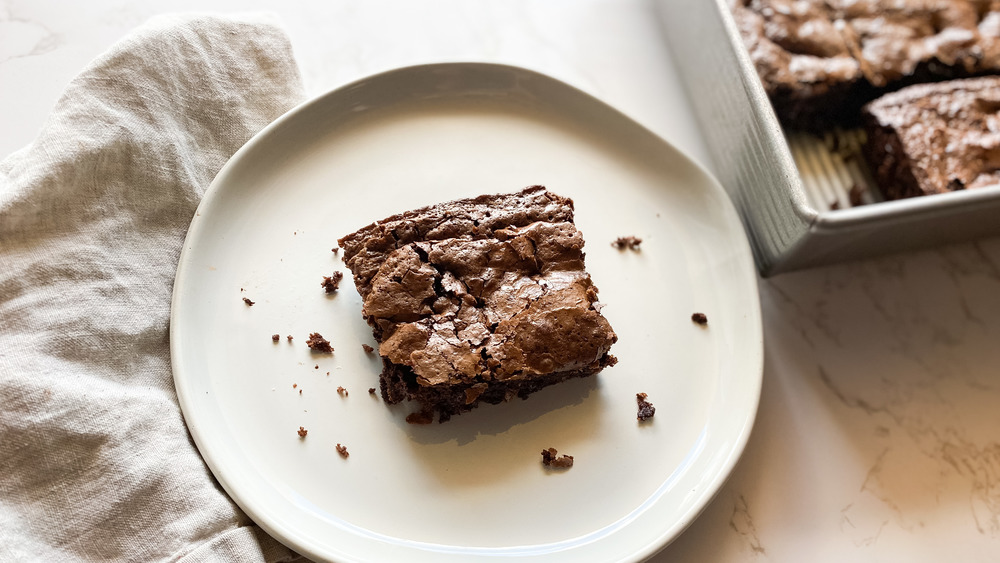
x=95 y=461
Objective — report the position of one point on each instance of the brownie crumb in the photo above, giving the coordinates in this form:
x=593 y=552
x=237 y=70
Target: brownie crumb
x=700 y=318
x=550 y=459
x=332 y=283
x=302 y=432
x=368 y=349
x=295 y=385
x=855 y=195
x=341 y=391
x=319 y=344
x=371 y=390
x=342 y=450
x=629 y=242
x=300 y=391
x=248 y=302
x=421 y=417
x=335 y=249
x=646 y=409
x=275 y=337
x=289 y=337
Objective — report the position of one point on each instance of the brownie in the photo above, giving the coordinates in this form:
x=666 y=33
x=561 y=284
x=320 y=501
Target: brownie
x=821 y=60
x=935 y=138
x=366 y=248
x=803 y=60
x=479 y=300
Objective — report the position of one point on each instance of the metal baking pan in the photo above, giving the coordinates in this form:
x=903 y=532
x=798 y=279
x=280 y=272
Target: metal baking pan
x=804 y=201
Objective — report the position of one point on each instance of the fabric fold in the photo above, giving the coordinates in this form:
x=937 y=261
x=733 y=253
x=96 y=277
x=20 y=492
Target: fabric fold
x=95 y=460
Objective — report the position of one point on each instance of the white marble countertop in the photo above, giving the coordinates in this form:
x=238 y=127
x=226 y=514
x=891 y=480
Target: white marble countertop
x=878 y=435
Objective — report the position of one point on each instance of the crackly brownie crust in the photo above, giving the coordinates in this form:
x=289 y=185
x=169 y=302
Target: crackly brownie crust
x=798 y=70
x=821 y=60
x=935 y=138
x=366 y=248
x=464 y=318
x=492 y=313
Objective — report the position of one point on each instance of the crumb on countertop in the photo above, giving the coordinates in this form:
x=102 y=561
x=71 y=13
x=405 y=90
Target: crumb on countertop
x=550 y=458
x=275 y=337
x=319 y=344
x=289 y=337
x=335 y=250
x=341 y=391
x=302 y=432
x=248 y=302
x=700 y=318
x=342 y=450
x=630 y=242
x=371 y=390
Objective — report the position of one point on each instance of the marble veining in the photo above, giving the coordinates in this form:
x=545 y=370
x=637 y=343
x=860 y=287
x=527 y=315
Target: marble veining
x=742 y=523
x=23 y=37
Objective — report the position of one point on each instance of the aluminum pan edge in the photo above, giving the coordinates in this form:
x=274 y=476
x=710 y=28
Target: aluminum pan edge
x=753 y=162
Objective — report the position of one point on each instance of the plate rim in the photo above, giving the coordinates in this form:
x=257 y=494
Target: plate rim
x=285 y=535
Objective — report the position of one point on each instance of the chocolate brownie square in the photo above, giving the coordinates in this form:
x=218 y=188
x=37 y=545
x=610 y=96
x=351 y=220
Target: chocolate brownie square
x=821 y=60
x=935 y=138
x=479 y=300
x=805 y=62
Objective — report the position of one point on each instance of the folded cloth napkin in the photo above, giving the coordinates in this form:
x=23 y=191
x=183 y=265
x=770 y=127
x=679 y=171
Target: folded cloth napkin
x=95 y=460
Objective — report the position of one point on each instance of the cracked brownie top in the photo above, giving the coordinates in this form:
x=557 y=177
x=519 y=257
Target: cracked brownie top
x=936 y=138
x=466 y=310
x=367 y=248
x=821 y=58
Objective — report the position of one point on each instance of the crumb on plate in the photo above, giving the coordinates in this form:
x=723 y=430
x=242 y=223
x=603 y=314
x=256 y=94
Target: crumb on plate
x=550 y=458
x=646 y=409
x=630 y=242
x=332 y=283
x=319 y=344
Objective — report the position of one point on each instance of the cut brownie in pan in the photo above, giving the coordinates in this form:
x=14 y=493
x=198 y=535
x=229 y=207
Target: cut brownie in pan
x=821 y=60
x=935 y=138
x=803 y=60
x=479 y=300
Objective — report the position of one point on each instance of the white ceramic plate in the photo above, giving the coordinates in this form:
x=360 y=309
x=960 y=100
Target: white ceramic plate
x=473 y=488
